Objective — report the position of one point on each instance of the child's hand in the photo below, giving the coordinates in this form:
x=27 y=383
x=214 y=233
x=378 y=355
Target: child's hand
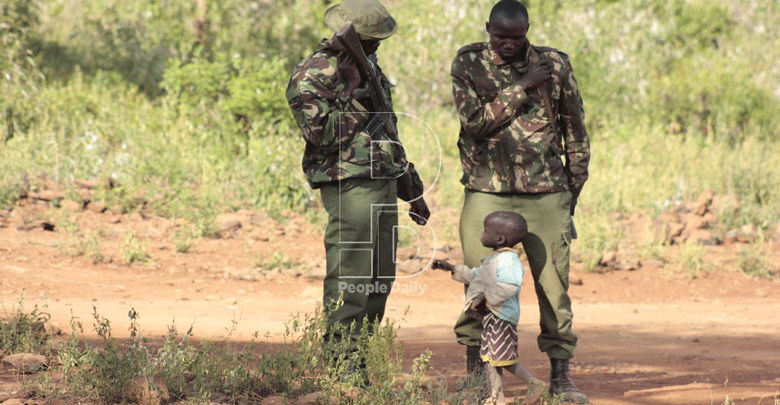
x=478 y=308
x=442 y=265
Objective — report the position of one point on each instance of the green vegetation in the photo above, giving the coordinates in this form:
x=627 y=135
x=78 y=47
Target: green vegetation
x=192 y=372
x=182 y=104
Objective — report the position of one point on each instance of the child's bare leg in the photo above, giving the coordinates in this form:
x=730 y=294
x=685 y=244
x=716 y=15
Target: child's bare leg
x=495 y=383
x=520 y=372
x=535 y=386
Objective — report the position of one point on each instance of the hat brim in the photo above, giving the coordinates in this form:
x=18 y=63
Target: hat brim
x=335 y=18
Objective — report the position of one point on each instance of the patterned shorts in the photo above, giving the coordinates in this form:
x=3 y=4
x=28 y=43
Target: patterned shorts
x=499 y=341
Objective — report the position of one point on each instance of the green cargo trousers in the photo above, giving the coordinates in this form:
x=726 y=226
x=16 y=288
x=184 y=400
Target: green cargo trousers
x=360 y=244
x=546 y=246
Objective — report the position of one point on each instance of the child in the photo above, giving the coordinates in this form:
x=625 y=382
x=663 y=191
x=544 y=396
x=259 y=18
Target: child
x=493 y=297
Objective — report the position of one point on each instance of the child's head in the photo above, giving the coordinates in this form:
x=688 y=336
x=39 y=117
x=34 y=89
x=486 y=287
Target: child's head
x=503 y=229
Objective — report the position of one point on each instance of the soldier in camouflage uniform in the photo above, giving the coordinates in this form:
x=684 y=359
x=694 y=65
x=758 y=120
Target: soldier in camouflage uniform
x=511 y=145
x=355 y=172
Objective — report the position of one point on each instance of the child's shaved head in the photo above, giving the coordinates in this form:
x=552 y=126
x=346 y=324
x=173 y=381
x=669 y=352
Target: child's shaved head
x=510 y=225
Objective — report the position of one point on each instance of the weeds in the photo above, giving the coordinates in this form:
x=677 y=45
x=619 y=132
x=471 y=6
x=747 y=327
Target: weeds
x=134 y=250
x=301 y=364
x=277 y=261
x=23 y=332
x=691 y=256
x=753 y=262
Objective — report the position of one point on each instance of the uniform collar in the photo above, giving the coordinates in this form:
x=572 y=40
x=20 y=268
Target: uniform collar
x=498 y=61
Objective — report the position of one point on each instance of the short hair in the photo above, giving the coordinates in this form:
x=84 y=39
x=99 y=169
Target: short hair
x=507 y=223
x=508 y=10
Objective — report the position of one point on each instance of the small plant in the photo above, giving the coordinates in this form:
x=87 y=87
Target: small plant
x=753 y=262
x=81 y=245
x=185 y=240
x=22 y=331
x=134 y=250
x=278 y=260
x=548 y=399
x=691 y=256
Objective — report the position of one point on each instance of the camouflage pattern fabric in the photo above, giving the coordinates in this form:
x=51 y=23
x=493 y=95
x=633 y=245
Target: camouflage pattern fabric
x=337 y=145
x=506 y=142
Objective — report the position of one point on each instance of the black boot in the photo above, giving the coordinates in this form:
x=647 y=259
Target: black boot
x=474 y=363
x=561 y=384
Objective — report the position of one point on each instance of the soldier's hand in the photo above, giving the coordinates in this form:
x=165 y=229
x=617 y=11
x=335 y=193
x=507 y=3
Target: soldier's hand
x=442 y=265
x=537 y=74
x=348 y=72
x=419 y=211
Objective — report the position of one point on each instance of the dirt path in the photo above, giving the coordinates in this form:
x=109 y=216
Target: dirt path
x=649 y=336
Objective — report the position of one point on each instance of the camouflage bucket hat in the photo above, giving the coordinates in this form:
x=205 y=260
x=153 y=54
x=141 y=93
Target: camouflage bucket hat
x=371 y=18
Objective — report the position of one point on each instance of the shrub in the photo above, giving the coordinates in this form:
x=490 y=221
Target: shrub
x=23 y=332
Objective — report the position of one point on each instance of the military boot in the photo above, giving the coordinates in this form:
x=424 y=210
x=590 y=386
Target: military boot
x=474 y=363
x=561 y=384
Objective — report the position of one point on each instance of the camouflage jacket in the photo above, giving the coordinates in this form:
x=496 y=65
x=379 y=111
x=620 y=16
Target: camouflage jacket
x=506 y=142
x=337 y=146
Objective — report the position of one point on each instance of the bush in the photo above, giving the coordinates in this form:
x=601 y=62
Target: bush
x=250 y=90
x=20 y=77
x=23 y=332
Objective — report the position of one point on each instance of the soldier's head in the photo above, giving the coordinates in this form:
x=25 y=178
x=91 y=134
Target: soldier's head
x=507 y=26
x=503 y=229
x=371 y=19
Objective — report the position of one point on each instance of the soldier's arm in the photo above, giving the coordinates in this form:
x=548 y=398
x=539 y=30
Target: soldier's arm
x=479 y=120
x=572 y=118
x=320 y=105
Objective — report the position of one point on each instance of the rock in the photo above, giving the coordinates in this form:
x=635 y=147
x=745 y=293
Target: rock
x=50 y=195
x=693 y=222
x=217 y=398
x=272 y=400
x=704 y=201
x=144 y=392
x=26 y=363
x=54 y=329
x=228 y=223
x=676 y=229
x=97 y=206
x=70 y=205
x=46 y=226
x=702 y=237
x=406 y=253
x=227 y=227
x=628 y=265
x=410 y=267
x=730 y=237
x=315 y=398
x=653 y=262
x=575 y=279
x=87 y=184
x=747 y=233
x=608 y=258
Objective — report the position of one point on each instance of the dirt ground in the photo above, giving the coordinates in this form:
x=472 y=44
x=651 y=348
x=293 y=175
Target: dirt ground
x=650 y=332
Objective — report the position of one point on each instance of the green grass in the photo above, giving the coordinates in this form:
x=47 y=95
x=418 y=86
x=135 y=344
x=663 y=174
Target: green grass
x=679 y=101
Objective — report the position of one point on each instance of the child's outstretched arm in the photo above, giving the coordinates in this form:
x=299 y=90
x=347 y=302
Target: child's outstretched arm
x=442 y=265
